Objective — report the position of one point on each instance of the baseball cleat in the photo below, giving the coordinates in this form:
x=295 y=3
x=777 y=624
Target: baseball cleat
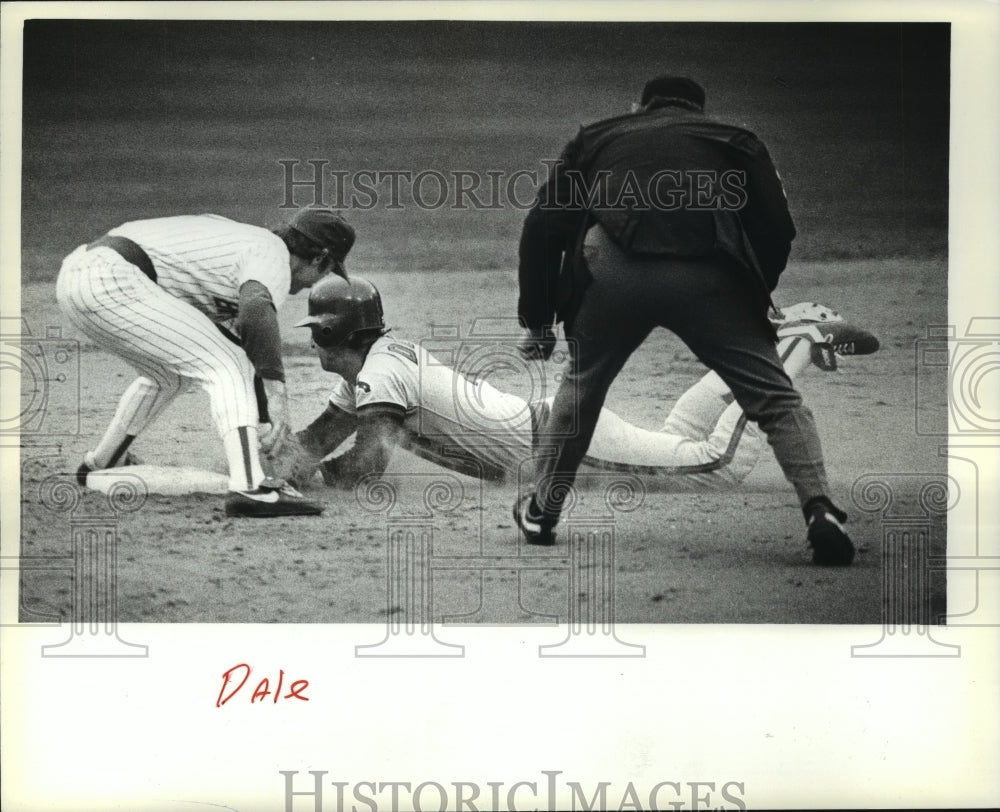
x=803 y=313
x=831 y=546
x=535 y=528
x=843 y=338
x=273 y=497
x=830 y=341
x=85 y=469
x=846 y=339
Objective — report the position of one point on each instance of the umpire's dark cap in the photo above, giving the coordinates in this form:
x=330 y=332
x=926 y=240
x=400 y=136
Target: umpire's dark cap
x=327 y=229
x=674 y=87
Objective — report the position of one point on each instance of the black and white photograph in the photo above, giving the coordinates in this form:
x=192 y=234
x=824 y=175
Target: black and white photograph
x=517 y=357
x=796 y=248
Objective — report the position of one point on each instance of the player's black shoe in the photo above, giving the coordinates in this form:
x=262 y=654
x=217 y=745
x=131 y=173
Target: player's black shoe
x=846 y=339
x=85 y=469
x=830 y=341
x=831 y=546
x=273 y=497
x=535 y=527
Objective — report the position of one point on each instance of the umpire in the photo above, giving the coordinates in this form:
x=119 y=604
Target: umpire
x=664 y=217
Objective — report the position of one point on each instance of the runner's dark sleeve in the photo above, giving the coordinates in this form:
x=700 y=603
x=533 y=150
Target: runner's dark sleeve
x=259 y=332
x=328 y=431
x=380 y=430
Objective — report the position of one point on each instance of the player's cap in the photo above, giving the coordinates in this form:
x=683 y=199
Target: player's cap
x=674 y=87
x=327 y=229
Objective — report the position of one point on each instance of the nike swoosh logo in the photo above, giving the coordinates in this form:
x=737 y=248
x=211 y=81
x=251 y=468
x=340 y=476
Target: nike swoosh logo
x=266 y=496
x=530 y=526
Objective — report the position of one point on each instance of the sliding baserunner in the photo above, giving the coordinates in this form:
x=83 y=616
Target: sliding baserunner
x=393 y=393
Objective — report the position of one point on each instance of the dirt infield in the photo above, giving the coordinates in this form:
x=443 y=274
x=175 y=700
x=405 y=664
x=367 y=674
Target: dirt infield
x=202 y=127
x=731 y=557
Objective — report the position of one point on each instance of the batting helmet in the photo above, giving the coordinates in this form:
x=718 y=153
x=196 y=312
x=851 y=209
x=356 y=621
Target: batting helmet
x=341 y=309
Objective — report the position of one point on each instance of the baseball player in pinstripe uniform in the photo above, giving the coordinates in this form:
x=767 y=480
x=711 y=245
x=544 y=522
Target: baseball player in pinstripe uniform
x=393 y=392
x=192 y=300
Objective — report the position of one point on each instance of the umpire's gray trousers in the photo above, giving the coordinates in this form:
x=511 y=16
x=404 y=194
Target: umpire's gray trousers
x=711 y=307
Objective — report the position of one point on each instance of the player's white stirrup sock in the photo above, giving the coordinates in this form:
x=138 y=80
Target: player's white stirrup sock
x=140 y=404
x=245 y=472
x=112 y=449
x=137 y=408
x=121 y=457
x=796 y=354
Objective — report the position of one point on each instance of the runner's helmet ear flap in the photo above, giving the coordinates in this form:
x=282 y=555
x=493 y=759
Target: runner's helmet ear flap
x=343 y=309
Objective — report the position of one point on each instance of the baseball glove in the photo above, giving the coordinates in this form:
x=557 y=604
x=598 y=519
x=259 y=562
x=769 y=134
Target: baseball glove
x=292 y=463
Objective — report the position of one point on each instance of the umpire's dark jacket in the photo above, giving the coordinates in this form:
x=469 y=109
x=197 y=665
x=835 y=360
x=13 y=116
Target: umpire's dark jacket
x=667 y=181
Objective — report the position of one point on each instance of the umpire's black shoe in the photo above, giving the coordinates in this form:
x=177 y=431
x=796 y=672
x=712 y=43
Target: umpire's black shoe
x=831 y=546
x=273 y=497
x=537 y=529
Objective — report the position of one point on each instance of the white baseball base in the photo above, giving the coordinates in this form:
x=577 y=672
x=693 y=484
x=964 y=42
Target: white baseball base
x=166 y=480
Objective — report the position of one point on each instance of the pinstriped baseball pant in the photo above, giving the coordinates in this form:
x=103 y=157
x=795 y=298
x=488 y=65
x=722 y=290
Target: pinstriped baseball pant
x=709 y=307
x=167 y=341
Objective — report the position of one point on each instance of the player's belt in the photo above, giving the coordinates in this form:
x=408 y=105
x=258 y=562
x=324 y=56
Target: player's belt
x=127 y=250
